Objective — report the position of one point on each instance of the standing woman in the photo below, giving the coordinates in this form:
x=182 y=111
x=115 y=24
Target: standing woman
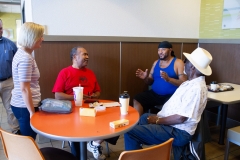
x=26 y=93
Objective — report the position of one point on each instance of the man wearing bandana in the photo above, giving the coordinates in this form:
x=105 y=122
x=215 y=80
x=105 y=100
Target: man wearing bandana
x=164 y=78
x=181 y=114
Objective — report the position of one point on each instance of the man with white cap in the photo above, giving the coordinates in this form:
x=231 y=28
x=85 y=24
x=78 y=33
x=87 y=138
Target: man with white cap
x=180 y=115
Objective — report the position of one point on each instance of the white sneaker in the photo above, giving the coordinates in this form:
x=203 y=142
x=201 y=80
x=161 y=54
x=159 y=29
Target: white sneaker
x=96 y=151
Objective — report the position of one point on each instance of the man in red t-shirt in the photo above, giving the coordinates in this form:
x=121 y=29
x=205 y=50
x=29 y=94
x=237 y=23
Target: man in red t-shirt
x=73 y=76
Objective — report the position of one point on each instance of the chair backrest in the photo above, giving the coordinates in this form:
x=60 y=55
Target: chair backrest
x=161 y=152
x=18 y=147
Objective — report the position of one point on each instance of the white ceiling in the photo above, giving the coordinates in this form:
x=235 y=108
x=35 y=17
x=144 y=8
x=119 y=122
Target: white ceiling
x=10 y=6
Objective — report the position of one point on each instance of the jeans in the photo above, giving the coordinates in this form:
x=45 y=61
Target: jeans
x=150 y=134
x=23 y=117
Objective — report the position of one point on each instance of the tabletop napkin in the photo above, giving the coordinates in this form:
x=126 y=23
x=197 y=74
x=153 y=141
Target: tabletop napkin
x=111 y=104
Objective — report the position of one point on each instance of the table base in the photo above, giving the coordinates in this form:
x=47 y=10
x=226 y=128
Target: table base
x=83 y=150
x=224 y=110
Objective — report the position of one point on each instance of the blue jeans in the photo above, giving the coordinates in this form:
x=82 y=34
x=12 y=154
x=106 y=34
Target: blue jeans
x=150 y=134
x=23 y=117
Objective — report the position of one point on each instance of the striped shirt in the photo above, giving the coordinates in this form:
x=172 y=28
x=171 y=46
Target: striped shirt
x=24 y=69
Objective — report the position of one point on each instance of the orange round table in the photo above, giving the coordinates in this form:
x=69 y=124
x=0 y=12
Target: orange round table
x=76 y=128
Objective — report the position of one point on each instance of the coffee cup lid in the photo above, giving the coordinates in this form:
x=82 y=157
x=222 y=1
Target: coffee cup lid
x=124 y=95
x=214 y=82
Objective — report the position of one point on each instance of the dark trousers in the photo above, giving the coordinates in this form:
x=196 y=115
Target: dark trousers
x=23 y=117
x=149 y=99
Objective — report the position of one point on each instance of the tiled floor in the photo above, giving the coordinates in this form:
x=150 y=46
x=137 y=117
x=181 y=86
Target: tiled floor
x=213 y=150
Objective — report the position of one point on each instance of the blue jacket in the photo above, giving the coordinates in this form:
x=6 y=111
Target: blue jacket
x=7 y=51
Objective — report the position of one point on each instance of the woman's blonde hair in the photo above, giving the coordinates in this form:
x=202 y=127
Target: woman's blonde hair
x=29 y=33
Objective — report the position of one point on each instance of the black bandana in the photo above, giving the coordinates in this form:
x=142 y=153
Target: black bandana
x=165 y=44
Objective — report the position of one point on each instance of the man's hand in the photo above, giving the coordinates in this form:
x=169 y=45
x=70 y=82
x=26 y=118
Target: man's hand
x=141 y=74
x=164 y=75
x=86 y=96
x=152 y=119
x=94 y=95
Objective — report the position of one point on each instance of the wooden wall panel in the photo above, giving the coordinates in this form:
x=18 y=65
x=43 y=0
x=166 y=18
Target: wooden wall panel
x=134 y=56
x=177 y=49
x=225 y=64
x=139 y=55
x=188 y=48
x=103 y=60
x=226 y=68
x=51 y=58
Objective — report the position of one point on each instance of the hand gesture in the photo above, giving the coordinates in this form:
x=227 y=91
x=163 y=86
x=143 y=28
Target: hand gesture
x=141 y=74
x=164 y=75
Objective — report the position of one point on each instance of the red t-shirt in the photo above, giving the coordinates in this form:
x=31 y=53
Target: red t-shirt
x=71 y=77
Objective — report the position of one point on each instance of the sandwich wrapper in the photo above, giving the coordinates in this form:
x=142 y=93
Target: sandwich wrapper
x=96 y=106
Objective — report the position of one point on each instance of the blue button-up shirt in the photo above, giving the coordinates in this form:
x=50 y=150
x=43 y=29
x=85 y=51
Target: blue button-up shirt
x=7 y=51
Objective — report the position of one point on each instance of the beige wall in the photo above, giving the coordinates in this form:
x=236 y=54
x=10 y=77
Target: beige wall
x=123 y=18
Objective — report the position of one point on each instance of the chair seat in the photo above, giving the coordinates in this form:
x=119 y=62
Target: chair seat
x=233 y=135
x=50 y=153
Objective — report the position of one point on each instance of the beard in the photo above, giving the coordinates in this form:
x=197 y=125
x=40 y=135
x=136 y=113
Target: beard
x=164 y=57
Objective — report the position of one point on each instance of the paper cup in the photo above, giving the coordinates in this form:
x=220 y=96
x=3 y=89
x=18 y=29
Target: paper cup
x=214 y=87
x=124 y=104
x=78 y=95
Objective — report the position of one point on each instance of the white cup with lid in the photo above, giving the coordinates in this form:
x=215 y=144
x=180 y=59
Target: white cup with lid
x=78 y=95
x=124 y=103
x=214 y=86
